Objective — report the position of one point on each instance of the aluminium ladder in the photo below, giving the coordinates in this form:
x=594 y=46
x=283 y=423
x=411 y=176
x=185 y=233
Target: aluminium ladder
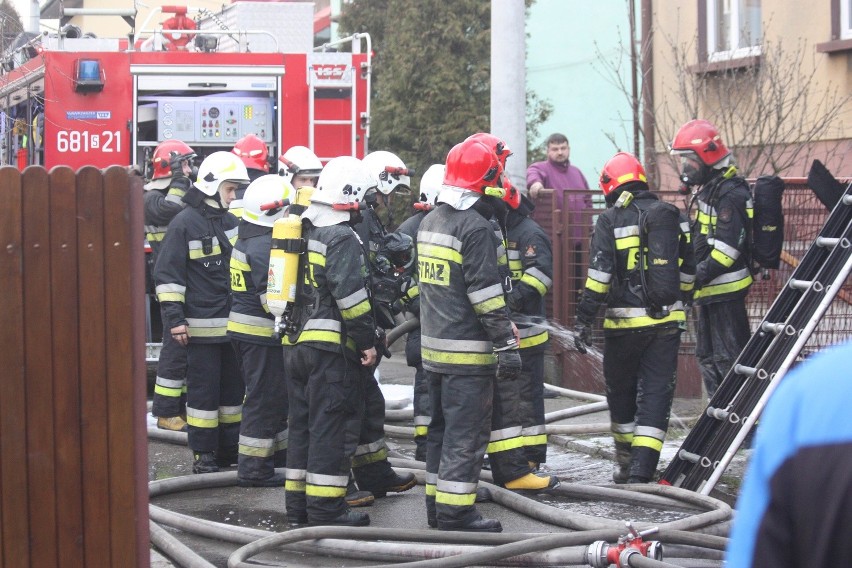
x=773 y=348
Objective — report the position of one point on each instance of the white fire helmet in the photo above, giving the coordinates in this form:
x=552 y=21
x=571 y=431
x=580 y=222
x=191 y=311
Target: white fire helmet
x=299 y=160
x=341 y=188
x=219 y=167
x=430 y=186
x=264 y=200
x=390 y=172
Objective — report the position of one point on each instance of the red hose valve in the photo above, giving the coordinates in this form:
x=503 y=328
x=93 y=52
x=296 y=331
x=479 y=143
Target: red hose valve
x=601 y=554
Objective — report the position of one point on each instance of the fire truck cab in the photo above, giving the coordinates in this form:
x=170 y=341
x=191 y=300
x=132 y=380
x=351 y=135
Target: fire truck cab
x=206 y=79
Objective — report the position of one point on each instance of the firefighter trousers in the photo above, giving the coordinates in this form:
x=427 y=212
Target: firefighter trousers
x=170 y=386
x=214 y=397
x=456 y=442
x=325 y=397
x=506 y=452
x=721 y=332
x=640 y=371
x=532 y=406
x=263 y=430
x=370 y=464
x=422 y=412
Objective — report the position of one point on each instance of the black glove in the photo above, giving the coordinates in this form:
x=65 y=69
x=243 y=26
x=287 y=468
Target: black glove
x=582 y=337
x=508 y=365
x=382 y=343
x=181 y=182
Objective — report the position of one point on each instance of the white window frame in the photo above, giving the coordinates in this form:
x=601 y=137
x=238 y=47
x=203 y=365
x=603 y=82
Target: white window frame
x=714 y=53
x=845 y=25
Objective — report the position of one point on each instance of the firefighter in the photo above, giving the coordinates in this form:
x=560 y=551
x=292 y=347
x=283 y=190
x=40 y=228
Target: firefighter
x=335 y=339
x=531 y=265
x=430 y=185
x=722 y=248
x=300 y=166
x=392 y=176
x=641 y=340
x=263 y=429
x=466 y=335
x=171 y=167
x=255 y=156
x=506 y=453
x=370 y=467
x=192 y=278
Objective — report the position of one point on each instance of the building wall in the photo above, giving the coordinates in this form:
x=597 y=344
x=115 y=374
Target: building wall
x=789 y=28
x=564 y=40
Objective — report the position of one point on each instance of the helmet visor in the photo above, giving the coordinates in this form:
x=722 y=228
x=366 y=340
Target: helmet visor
x=692 y=169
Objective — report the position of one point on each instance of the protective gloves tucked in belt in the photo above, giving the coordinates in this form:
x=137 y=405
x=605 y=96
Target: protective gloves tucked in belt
x=508 y=364
x=582 y=336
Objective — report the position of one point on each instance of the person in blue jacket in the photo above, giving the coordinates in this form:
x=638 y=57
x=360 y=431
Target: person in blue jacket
x=795 y=507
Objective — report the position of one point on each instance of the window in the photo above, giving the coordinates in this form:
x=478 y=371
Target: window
x=841 y=28
x=733 y=29
x=845 y=31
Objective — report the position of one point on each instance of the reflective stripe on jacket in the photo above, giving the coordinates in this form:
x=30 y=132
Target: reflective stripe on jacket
x=531 y=264
x=721 y=234
x=250 y=319
x=192 y=274
x=463 y=314
x=613 y=254
x=337 y=274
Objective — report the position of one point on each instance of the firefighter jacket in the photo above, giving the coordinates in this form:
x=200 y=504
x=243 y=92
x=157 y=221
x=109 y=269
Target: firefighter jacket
x=336 y=277
x=721 y=234
x=192 y=272
x=463 y=314
x=160 y=208
x=250 y=319
x=411 y=293
x=613 y=255
x=371 y=231
x=531 y=265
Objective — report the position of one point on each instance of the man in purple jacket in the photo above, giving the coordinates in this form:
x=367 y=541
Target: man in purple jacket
x=558 y=174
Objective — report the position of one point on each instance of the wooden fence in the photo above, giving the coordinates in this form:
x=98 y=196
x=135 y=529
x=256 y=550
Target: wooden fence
x=73 y=458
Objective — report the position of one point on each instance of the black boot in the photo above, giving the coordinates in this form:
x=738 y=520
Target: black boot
x=347 y=519
x=483 y=495
x=227 y=458
x=274 y=480
x=395 y=483
x=205 y=462
x=357 y=498
x=621 y=470
x=477 y=524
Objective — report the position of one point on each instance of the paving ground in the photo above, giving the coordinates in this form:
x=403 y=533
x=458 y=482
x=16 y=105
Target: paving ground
x=584 y=459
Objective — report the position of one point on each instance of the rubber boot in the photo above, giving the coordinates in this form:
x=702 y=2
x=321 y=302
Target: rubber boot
x=173 y=423
x=395 y=483
x=483 y=495
x=274 y=480
x=621 y=469
x=635 y=479
x=347 y=519
x=227 y=458
x=532 y=482
x=357 y=498
x=478 y=524
x=205 y=462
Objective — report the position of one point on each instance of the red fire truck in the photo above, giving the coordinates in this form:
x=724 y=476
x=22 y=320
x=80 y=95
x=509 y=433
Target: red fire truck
x=201 y=77
x=207 y=79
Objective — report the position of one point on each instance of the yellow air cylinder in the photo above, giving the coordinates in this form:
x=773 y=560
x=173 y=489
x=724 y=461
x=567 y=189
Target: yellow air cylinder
x=283 y=264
